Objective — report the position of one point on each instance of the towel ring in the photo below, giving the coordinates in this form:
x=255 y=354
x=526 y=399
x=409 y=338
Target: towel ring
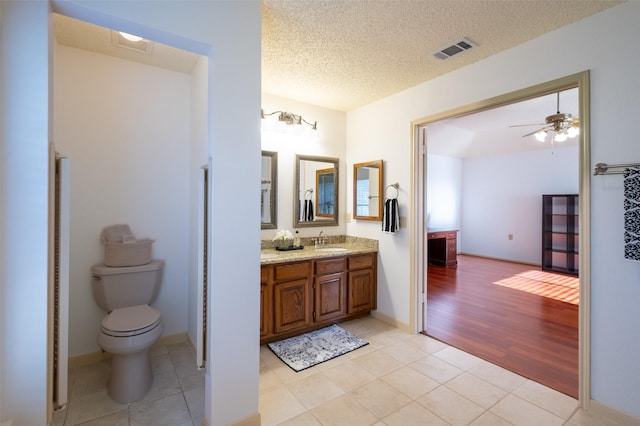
x=394 y=186
x=310 y=193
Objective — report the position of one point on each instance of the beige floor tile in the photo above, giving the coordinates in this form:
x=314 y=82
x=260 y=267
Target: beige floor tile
x=315 y=390
x=584 y=418
x=523 y=413
x=304 y=419
x=410 y=382
x=90 y=406
x=498 y=376
x=380 y=398
x=195 y=404
x=378 y=363
x=436 y=369
x=344 y=410
x=349 y=376
x=551 y=400
x=170 y=411
x=490 y=419
x=267 y=357
x=426 y=343
x=450 y=406
x=404 y=352
x=287 y=375
x=413 y=414
x=277 y=405
x=268 y=378
x=458 y=358
x=121 y=418
x=476 y=390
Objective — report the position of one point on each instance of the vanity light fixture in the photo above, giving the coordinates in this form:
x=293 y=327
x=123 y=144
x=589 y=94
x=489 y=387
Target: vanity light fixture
x=289 y=123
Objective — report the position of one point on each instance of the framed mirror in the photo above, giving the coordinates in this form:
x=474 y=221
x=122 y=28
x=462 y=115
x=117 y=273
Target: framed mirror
x=367 y=190
x=316 y=192
x=269 y=190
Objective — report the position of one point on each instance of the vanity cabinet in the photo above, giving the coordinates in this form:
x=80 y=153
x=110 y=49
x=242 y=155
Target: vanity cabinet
x=297 y=297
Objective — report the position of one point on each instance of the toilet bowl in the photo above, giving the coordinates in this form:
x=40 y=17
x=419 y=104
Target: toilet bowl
x=128 y=334
x=131 y=326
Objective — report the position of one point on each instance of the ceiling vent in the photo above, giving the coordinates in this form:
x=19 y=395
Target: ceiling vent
x=142 y=45
x=459 y=46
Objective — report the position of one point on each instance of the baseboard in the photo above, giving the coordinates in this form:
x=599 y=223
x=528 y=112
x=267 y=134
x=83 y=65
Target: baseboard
x=611 y=414
x=90 y=358
x=502 y=259
x=391 y=321
x=253 y=420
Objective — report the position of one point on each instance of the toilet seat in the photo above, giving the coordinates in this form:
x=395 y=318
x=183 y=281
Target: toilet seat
x=130 y=321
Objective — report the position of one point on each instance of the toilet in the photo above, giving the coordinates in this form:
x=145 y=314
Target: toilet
x=131 y=325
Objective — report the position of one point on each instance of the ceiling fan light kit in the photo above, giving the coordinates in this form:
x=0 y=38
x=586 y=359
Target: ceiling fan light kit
x=561 y=126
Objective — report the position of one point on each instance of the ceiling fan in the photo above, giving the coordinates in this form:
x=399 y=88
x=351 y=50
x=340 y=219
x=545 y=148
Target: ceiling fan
x=561 y=126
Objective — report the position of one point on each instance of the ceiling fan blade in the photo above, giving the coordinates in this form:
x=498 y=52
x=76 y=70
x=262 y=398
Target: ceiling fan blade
x=535 y=131
x=524 y=125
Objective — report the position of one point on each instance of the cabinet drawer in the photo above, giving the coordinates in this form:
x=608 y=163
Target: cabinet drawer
x=329 y=266
x=291 y=271
x=361 y=262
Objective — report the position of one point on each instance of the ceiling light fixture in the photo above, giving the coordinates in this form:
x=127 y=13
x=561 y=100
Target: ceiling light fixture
x=289 y=123
x=130 y=37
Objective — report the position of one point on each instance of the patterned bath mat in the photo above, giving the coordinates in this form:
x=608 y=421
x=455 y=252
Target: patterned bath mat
x=307 y=350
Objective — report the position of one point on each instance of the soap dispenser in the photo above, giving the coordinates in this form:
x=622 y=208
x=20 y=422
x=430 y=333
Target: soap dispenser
x=296 y=239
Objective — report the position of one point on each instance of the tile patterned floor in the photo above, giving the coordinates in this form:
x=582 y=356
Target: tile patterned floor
x=398 y=379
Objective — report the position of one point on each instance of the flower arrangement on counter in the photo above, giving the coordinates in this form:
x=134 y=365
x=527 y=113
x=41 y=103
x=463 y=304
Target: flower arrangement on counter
x=283 y=238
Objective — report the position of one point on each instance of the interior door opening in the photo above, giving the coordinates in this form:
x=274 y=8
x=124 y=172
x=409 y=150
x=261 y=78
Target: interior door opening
x=422 y=139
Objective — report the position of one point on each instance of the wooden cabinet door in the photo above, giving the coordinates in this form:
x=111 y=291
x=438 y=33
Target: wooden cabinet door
x=292 y=305
x=330 y=297
x=266 y=301
x=361 y=296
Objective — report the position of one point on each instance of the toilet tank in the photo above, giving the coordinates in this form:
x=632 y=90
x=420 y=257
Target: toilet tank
x=120 y=287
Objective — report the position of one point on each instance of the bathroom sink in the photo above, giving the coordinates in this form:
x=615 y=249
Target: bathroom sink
x=268 y=255
x=332 y=249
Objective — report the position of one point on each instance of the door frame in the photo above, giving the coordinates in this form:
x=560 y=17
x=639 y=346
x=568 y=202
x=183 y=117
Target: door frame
x=418 y=306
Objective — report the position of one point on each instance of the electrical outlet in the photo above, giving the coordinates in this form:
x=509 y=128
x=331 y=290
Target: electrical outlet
x=510 y=236
x=347 y=217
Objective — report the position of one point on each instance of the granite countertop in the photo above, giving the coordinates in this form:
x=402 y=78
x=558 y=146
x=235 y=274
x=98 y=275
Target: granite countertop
x=352 y=245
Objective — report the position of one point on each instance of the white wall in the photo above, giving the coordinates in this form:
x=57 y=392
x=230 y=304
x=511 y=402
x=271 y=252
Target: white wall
x=444 y=192
x=24 y=170
x=125 y=128
x=382 y=129
x=229 y=34
x=502 y=195
x=331 y=143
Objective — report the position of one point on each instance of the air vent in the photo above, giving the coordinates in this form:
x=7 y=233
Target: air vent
x=455 y=48
x=142 y=45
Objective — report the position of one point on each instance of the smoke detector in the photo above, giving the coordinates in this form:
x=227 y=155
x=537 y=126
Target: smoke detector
x=459 y=46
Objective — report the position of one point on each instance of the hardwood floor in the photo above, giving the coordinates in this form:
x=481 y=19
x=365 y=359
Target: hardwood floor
x=513 y=315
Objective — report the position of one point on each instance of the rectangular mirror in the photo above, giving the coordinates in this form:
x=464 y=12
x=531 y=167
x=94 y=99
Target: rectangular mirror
x=367 y=190
x=269 y=190
x=316 y=191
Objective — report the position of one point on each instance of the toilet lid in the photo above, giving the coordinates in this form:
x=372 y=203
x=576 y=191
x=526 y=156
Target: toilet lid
x=131 y=318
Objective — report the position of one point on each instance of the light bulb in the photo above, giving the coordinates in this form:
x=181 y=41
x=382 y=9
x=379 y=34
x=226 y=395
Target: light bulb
x=541 y=136
x=560 y=137
x=573 y=131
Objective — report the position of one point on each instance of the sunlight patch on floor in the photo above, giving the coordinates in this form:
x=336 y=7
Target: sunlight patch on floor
x=559 y=287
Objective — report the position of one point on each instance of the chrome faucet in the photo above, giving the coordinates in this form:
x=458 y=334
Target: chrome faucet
x=322 y=238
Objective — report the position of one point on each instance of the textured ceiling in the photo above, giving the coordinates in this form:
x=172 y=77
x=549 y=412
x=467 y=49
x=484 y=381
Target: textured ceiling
x=344 y=54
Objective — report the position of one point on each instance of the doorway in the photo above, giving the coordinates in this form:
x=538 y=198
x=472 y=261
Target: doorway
x=419 y=213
